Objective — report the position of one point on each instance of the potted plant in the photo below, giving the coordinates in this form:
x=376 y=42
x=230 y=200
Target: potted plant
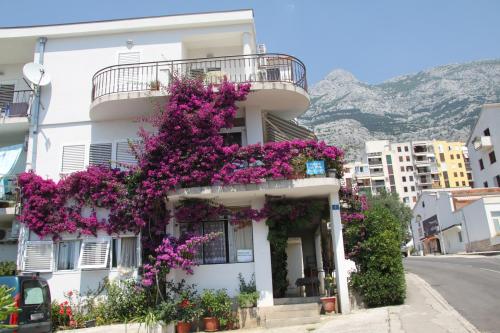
x=330 y=300
x=154 y=85
x=216 y=307
x=187 y=311
x=248 y=292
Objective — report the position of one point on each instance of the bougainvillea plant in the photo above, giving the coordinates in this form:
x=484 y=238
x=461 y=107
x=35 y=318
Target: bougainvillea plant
x=185 y=150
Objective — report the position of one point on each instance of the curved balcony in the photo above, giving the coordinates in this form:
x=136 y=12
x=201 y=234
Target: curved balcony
x=278 y=83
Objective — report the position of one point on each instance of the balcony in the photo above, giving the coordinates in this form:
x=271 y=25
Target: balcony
x=483 y=143
x=14 y=111
x=278 y=83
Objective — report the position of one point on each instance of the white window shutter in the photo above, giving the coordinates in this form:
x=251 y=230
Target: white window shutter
x=124 y=155
x=73 y=158
x=38 y=256
x=94 y=254
x=100 y=153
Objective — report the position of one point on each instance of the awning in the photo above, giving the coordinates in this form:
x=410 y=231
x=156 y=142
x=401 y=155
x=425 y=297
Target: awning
x=12 y=162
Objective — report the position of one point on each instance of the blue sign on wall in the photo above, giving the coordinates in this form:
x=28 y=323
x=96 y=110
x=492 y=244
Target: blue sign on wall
x=315 y=168
x=335 y=207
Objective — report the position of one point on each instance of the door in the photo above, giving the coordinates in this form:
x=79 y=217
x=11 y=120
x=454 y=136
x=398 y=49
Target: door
x=35 y=316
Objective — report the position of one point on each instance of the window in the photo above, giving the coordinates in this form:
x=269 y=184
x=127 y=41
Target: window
x=100 y=154
x=457 y=184
x=414 y=199
x=458 y=156
x=496 y=221
x=232 y=138
x=411 y=178
x=124 y=252
x=404 y=179
x=94 y=253
x=486 y=132
x=441 y=157
x=460 y=237
x=124 y=155
x=38 y=256
x=464 y=183
x=461 y=174
x=73 y=158
x=388 y=158
x=459 y=165
x=405 y=189
x=497 y=180
x=407 y=158
x=452 y=157
x=234 y=245
x=413 y=188
x=492 y=156
x=67 y=254
x=406 y=148
x=400 y=158
x=481 y=164
x=406 y=200
x=455 y=174
x=32 y=292
x=399 y=149
x=402 y=169
x=485 y=184
x=409 y=168
x=446 y=184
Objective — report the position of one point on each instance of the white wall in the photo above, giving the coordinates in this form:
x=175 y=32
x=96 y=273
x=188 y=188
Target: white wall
x=8 y=252
x=489 y=118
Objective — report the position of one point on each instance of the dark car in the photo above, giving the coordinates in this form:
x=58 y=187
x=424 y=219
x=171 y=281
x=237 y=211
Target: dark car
x=32 y=296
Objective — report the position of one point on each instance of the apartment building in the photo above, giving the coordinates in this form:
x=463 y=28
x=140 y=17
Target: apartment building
x=483 y=145
x=408 y=168
x=102 y=76
x=453 y=164
x=457 y=220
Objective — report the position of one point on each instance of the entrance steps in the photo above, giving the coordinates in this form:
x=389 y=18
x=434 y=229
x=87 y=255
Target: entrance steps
x=290 y=314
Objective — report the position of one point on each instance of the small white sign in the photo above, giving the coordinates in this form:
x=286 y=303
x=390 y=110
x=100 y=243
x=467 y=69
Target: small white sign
x=245 y=255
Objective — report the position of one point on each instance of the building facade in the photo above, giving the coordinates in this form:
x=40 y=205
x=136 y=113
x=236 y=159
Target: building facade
x=457 y=220
x=104 y=77
x=408 y=168
x=483 y=145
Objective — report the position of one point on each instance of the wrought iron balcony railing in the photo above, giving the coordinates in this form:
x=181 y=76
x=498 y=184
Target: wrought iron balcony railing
x=239 y=69
x=15 y=103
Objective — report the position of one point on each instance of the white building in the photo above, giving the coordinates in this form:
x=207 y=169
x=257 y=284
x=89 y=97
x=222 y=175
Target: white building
x=102 y=75
x=457 y=220
x=483 y=146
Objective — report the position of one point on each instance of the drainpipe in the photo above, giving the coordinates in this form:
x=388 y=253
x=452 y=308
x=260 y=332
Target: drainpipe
x=467 y=248
x=36 y=108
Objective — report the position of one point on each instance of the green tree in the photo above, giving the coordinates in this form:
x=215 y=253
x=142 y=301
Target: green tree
x=401 y=212
x=380 y=277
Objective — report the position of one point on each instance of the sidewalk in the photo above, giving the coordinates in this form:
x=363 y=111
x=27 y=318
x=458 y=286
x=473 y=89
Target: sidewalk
x=425 y=310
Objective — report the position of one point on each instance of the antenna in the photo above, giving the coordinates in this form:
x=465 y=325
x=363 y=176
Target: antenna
x=35 y=73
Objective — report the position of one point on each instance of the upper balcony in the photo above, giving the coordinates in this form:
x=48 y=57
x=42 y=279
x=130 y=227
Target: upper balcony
x=278 y=83
x=14 y=110
x=482 y=143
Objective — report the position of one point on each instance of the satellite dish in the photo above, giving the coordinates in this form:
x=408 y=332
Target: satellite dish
x=35 y=73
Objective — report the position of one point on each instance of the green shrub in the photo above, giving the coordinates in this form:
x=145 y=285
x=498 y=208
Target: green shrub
x=380 y=278
x=248 y=292
x=7 y=305
x=7 y=268
x=216 y=303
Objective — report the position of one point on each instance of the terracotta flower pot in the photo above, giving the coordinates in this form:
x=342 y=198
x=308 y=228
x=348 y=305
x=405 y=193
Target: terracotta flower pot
x=329 y=303
x=183 y=327
x=211 y=324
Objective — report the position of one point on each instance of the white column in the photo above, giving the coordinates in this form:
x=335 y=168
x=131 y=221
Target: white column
x=319 y=262
x=253 y=124
x=262 y=258
x=247 y=43
x=338 y=253
x=249 y=62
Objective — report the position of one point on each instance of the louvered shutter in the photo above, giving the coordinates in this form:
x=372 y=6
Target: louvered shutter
x=6 y=95
x=128 y=76
x=100 y=153
x=38 y=256
x=124 y=155
x=73 y=158
x=94 y=254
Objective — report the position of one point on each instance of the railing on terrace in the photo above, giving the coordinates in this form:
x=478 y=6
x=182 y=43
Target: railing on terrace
x=242 y=68
x=15 y=103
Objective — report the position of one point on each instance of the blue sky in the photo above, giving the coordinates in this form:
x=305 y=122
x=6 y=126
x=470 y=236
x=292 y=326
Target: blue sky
x=375 y=40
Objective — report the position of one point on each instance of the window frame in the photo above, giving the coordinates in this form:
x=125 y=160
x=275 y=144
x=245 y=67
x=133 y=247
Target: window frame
x=118 y=241
x=76 y=255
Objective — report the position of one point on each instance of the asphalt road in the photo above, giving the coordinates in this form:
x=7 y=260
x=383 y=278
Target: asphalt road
x=470 y=284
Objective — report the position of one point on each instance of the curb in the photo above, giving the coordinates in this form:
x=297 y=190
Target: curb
x=437 y=296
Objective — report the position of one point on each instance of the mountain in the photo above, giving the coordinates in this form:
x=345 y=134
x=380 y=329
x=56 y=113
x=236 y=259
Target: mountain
x=440 y=103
